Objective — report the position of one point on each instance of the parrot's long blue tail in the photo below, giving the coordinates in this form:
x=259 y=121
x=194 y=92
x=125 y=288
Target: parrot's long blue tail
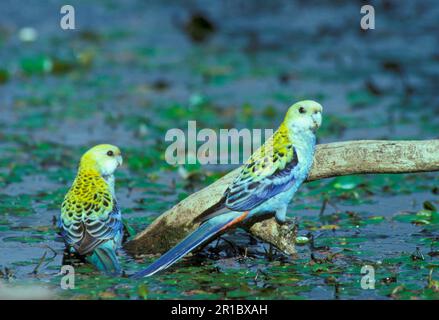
x=105 y=259
x=204 y=232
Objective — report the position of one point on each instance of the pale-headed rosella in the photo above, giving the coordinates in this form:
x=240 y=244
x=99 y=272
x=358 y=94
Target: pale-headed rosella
x=90 y=220
x=266 y=184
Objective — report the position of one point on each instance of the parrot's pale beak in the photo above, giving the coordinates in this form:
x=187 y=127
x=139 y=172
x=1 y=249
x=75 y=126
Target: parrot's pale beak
x=119 y=160
x=317 y=119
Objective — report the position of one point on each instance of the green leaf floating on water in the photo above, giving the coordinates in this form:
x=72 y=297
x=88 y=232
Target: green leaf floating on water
x=36 y=65
x=426 y=217
x=302 y=240
x=25 y=239
x=347 y=182
x=18 y=206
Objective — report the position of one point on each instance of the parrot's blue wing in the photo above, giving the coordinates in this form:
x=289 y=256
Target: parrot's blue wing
x=98 y=230
x=246 y=193
x=204 y=232
x=99 y=237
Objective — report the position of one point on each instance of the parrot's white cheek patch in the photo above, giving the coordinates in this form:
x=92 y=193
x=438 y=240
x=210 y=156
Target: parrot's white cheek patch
x=304 y=123
x=108 y=167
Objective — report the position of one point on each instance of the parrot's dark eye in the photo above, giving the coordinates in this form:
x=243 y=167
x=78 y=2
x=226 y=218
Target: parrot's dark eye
x=302 y=110
x=110 y=153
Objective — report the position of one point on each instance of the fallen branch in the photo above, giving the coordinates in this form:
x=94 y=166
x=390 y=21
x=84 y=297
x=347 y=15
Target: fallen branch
x=331 y=160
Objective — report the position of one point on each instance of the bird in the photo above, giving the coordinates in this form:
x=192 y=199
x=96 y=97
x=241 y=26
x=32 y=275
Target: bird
x=90 y=221
x=265 y=185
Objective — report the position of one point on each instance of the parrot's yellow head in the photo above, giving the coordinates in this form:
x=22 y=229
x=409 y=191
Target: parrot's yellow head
x=304 y=115
x=105 y=158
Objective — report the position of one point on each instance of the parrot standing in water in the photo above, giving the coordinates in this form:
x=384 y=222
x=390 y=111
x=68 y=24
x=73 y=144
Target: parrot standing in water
x=90 y=220
x=266 y=183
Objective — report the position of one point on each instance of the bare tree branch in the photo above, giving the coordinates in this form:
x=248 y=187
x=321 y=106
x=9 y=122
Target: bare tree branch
x=331 y=160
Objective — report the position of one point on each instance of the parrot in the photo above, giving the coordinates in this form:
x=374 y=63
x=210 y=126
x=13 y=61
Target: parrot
x=265 y=185
x=90 y=221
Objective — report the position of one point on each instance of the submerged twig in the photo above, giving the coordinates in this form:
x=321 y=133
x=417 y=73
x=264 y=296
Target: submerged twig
x=40 y=262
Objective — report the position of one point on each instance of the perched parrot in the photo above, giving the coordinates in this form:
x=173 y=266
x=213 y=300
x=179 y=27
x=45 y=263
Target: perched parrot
x=266 y=183
x=90 y=220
